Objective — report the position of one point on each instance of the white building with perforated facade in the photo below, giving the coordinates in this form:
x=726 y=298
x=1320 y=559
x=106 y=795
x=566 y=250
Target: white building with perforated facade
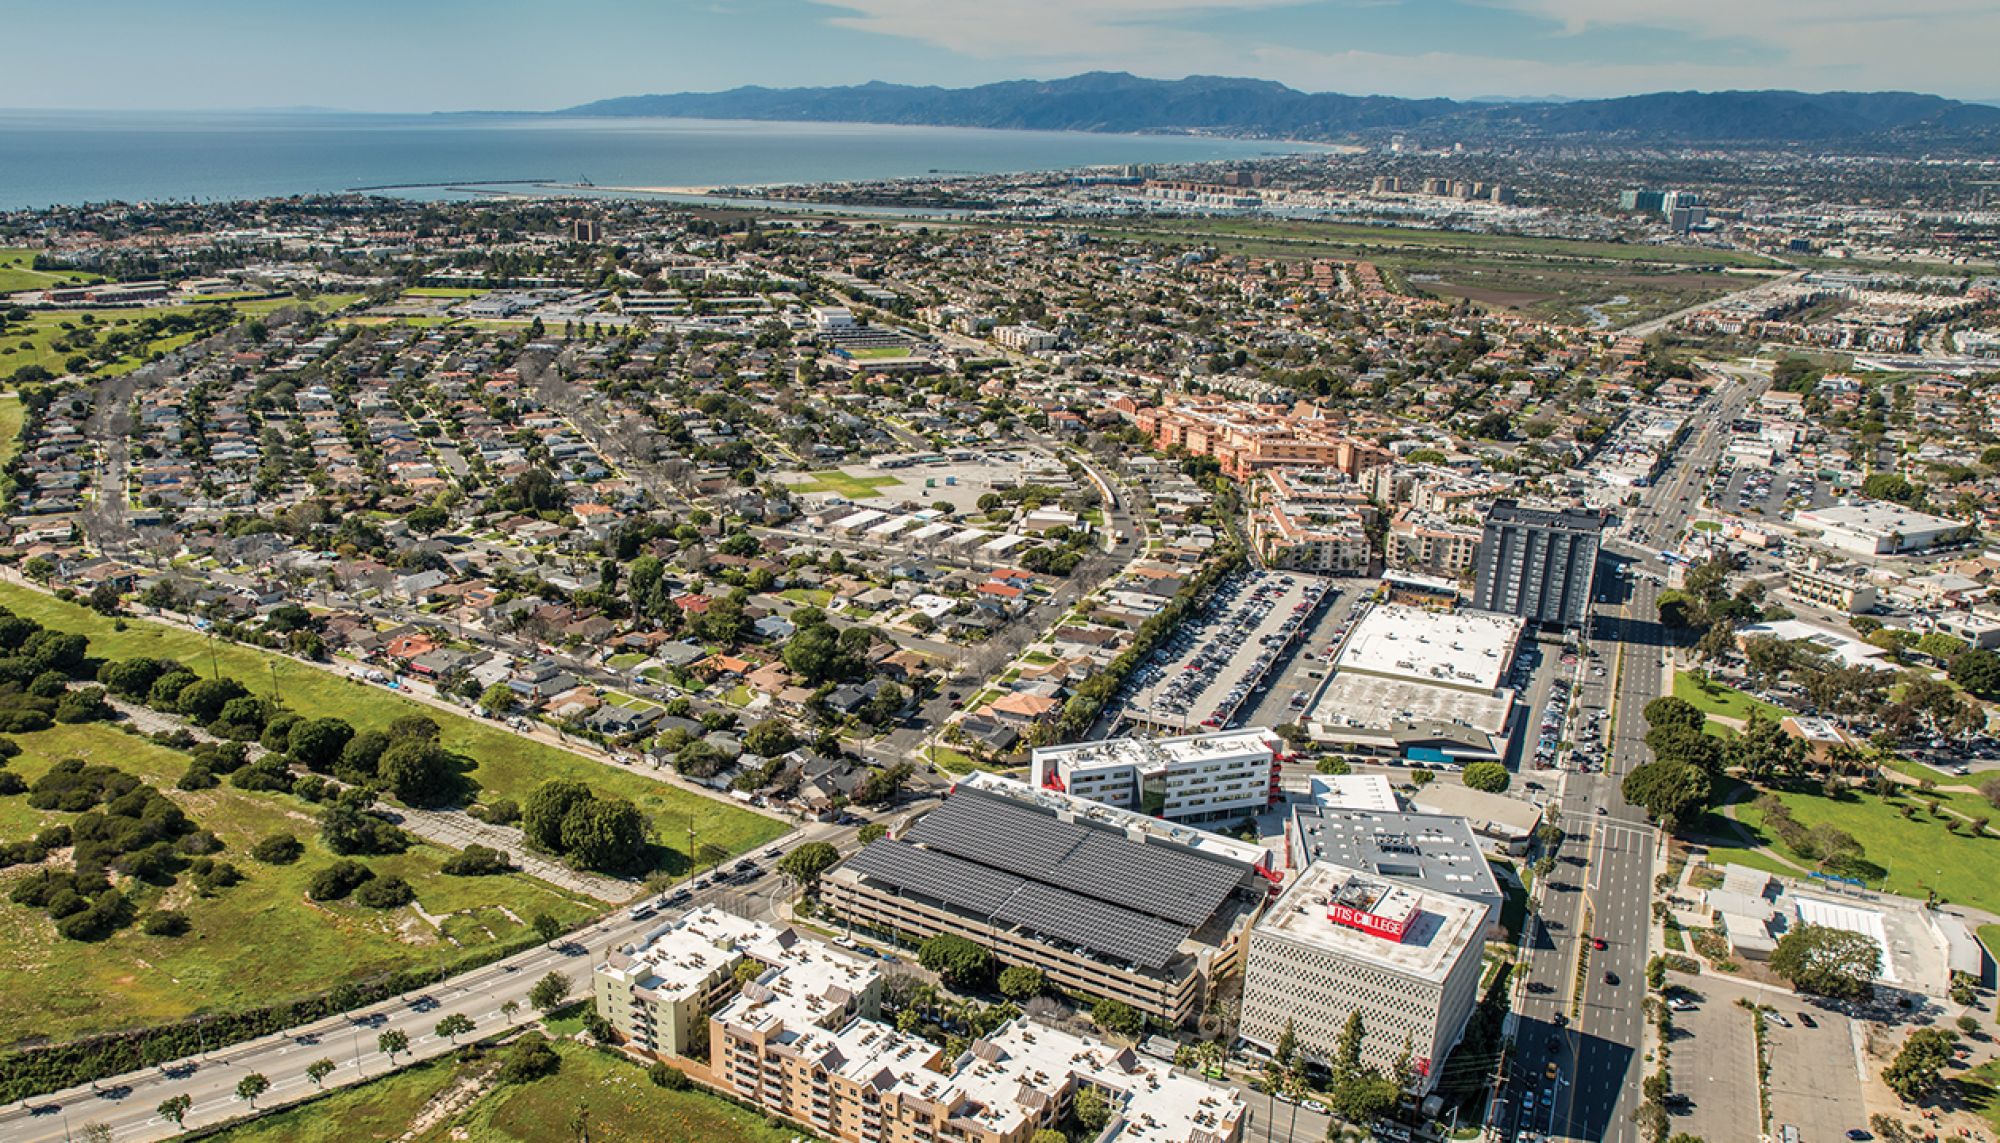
x=1341 y=940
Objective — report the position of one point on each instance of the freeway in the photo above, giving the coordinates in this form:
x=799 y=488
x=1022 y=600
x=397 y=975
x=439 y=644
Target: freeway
x=1579 y=1034
x=128 y=1104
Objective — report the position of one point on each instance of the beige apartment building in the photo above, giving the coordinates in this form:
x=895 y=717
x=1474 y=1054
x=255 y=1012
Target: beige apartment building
x=797 y=1040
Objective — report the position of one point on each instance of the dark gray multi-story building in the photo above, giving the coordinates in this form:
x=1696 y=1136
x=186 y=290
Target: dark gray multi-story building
x=1538 y=564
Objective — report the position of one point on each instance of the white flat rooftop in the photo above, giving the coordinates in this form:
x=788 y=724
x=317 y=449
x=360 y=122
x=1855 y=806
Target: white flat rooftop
x=1442 y=928
x=1468 y=651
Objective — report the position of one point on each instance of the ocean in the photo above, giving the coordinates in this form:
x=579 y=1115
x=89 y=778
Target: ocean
x=61 y=158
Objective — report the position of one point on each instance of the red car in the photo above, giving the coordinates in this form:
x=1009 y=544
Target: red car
x=1597 y=942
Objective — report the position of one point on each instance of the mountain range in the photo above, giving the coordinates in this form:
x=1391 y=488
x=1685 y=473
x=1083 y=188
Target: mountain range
x=1119 y=102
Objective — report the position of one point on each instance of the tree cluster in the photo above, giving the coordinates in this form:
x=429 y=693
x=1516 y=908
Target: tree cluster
x=567 y=817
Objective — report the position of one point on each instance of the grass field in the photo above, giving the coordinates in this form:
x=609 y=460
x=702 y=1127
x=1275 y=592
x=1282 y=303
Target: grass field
x=10 y=427
x=17 y=273
x=59 y=988
x=846 y=484
x=1350 y=236
x=509 y=765
x=1725 y=701
x=30 y=342
x=877 y=353
x=1580 y=282
x=1910 y=856
x=623 y=1105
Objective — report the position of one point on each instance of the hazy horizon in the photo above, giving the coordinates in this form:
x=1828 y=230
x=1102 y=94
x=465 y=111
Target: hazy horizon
x=522 y=55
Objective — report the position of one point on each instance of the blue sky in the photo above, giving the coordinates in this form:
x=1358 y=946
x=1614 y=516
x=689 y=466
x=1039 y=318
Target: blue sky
x=424 y=55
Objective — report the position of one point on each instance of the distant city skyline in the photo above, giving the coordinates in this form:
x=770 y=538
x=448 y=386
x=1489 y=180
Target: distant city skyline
x=532 y=55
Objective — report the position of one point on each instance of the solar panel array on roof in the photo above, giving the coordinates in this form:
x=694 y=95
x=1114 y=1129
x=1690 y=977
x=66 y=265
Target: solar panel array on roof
x=940 y=876
x=1122 y=933
x=1149 y=878
x=1002 y=834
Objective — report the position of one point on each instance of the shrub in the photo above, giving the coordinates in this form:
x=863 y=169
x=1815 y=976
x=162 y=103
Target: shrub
x=165 y=923
x=668 y=1076
x=198 y=777
x=531 y=1059
x=338 y=880
x=278 y=849
x=478 y=861
x=385 y=893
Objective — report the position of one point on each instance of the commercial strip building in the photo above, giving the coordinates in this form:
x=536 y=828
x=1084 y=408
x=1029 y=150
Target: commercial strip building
x=1042 y=880
x=799 y=1040
x=1420 y=686
x=1198 y=777
x=1879 y=528
x=1341 y=940
x=1538 y=564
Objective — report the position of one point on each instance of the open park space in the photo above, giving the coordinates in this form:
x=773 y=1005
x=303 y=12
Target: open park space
x=1911 y=854
x=622 y=1105
x=18 y=273
x=257 y=942
x=508 y=765
x=1586 y=282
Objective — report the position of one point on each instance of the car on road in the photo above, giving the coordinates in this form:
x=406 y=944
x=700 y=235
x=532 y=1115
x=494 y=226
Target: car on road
x=1597 y=943
x=1778 y=1018
x=1611 y=978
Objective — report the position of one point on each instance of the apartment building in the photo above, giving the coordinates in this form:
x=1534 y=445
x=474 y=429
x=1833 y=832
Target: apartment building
x=1101 y=909
x=1341 y=940
x=868 y=1083
x=1430 y=545
x=1197 y=777
x=798 y=1038
x=1538 y=564
x=1292 y=536
x=658 y=991
x=1836 y=587
x=1246 y=438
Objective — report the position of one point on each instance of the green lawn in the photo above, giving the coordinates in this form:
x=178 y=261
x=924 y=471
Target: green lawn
x=878 y=353
x=625 y=661
x=509 y=765
x=846 y=484
x=17 y=273
x=31 y=342
x=1909 y=856
x=810 y=596
x=10 y=428
x=1403 y=237
x=623 y=1105
x=58 y=988
x=1725 y=701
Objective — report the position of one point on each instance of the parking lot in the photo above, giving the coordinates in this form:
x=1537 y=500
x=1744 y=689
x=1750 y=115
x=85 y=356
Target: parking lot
x=1714 y=1061
x=1211 y=667
x=1754 y=489
x=1289 y=688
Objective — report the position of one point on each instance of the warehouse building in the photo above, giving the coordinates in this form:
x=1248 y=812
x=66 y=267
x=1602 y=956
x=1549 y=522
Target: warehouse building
x=1099 y=908
x=1879 y=528
x=1341 y=940
x=1197 y=777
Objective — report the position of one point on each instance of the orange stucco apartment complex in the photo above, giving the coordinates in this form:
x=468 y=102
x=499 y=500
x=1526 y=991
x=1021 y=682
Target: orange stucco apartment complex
x=1246 y=438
